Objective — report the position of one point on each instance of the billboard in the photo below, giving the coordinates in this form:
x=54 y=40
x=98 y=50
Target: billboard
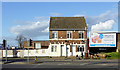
x=102 y=39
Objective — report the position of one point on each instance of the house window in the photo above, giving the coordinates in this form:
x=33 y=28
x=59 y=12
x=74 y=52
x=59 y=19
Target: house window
x=54 y=48
x=81 y=34
x=69 y=34
x=37 y=45
x=80 y=48
x=54 y=34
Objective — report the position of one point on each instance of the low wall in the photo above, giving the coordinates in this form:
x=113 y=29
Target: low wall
x=9 y=53
x=25 y=53
x=31 y=53
x=0 y=53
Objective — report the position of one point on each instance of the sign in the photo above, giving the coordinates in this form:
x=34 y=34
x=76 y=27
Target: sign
x=103 y=39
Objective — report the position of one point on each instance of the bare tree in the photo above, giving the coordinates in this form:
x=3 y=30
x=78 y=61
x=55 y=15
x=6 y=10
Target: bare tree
x=20 y=39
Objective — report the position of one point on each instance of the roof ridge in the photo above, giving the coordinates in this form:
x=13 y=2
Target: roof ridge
x=67 y=17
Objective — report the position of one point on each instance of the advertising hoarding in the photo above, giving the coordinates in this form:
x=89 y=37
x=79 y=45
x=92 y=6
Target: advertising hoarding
x=102 y=39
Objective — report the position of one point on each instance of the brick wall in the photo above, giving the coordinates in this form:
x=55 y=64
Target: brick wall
x=75 y=35
x=50 y=34
x=63 y=34
x=68 y=41
x=85 y=34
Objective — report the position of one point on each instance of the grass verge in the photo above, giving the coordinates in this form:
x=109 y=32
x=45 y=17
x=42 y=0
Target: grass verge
x=112 y=55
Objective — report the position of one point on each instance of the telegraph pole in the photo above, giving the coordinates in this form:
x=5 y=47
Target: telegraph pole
x=30 y=44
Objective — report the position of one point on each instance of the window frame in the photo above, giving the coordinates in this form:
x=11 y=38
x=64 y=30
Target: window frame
x=69 y=34
x=36 y=44
x=81 y=34
x=80 y=48
x=53 y=48
x=55 y=33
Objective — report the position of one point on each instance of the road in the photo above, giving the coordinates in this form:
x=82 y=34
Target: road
x=57 y=63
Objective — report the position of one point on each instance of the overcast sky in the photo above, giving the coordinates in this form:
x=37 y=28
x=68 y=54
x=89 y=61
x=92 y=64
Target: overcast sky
x=31 y=19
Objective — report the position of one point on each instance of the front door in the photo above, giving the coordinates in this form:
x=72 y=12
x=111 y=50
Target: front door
x=62 y=50
x=74 y=50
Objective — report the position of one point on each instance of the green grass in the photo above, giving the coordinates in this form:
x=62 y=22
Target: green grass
x=112 y=55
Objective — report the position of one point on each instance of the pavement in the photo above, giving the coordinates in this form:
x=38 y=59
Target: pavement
x=39 y=60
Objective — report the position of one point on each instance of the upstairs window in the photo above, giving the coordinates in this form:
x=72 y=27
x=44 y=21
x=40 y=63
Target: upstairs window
x=54 y=34
x=69 y=34
x=81 y=34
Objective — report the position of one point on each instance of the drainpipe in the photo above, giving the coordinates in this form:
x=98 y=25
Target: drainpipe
x=66 y=51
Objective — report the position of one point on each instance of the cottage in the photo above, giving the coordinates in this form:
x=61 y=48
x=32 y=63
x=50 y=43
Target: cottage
x=67 y=36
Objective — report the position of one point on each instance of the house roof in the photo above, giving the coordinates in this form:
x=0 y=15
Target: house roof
x=67 y=23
